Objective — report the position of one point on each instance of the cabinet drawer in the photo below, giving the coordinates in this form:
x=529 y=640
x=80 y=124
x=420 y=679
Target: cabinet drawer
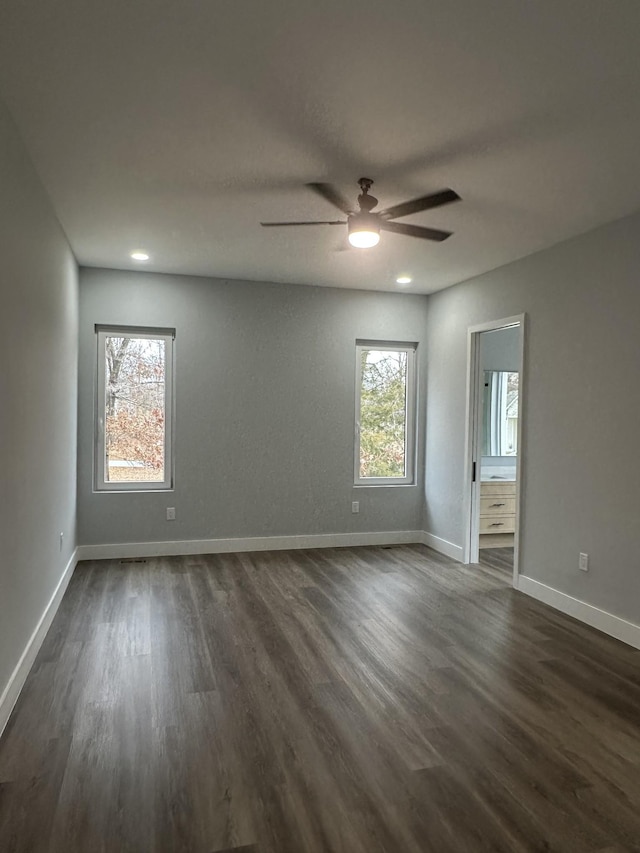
x=497 y=505
x=506 y=487
x=498 y=524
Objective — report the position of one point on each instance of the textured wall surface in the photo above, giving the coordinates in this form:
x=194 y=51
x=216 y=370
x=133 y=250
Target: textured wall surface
x=580 y=405
x=38 y=358
x=265 y=395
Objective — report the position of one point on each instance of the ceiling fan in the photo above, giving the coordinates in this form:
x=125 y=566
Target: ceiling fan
x=364 y=225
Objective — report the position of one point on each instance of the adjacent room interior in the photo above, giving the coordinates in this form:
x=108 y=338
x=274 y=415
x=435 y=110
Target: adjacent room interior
x=252 y=595
x=495 y=431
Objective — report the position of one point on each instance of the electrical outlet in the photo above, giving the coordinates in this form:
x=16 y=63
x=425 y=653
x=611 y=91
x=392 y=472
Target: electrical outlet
x=61 y=540
x=355 y=506
x=583 y=563
x=171 y=513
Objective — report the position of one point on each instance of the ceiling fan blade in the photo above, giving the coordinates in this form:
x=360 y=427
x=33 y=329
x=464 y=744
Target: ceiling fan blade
x=331 y=194
x=278 y=224
x=425 y=203
x=415 y=231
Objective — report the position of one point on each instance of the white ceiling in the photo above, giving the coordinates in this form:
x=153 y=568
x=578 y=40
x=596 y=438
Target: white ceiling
x=177 y=127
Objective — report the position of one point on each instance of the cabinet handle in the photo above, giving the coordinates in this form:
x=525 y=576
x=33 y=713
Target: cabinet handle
x=497 y=504
x=497 y=524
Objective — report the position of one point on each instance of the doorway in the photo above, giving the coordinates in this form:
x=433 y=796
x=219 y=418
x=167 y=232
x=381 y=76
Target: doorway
x=493 y=469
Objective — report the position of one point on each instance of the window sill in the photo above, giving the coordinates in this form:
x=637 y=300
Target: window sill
x=385 y=485
x=133 y=491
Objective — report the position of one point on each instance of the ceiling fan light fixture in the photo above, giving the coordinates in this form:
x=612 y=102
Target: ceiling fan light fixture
x=364 y=230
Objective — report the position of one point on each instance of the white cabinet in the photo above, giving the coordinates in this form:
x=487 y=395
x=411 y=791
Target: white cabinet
x=497 y=507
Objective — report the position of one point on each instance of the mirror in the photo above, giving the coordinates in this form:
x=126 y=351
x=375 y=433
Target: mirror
x=500 y=413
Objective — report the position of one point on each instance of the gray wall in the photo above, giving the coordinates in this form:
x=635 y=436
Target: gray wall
x=38 y=354
x=500 y=350
x=581 y=409
x=265 y=384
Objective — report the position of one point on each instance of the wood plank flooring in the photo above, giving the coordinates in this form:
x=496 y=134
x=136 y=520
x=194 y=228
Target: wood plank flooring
x=500 y=559
x=332 y=701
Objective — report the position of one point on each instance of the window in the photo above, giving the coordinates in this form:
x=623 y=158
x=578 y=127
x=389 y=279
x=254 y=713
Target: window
x=500 y=413
x=385 y=413
x=134 y=409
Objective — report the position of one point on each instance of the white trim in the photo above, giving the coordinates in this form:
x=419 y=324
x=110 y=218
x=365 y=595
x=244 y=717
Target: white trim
x=254 y=543
x=608 y=623
x=19 y=675
x=101 y=484
x=456 y=552
x=471 y=492
x=520 y=475
x=493 y=325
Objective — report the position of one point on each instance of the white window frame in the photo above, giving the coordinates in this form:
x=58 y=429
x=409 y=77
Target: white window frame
x=410 y=413
x=100 y=483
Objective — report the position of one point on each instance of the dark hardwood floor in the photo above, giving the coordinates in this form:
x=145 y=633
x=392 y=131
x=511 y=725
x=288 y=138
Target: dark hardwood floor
x=500 y=559
x=350 y=700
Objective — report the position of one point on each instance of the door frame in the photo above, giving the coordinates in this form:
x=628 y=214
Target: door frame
x=473 y=432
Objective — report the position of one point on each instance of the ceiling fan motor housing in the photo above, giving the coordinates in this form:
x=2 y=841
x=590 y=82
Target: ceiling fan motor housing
x=366 y=202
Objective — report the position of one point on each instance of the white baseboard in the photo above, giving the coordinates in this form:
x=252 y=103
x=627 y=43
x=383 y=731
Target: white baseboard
x=19 y=675
x=254 y=543
x=614 y=626
x=442 y=546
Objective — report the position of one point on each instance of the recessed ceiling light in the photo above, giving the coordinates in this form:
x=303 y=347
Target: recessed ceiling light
x=404 y=279
x=139 y=256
